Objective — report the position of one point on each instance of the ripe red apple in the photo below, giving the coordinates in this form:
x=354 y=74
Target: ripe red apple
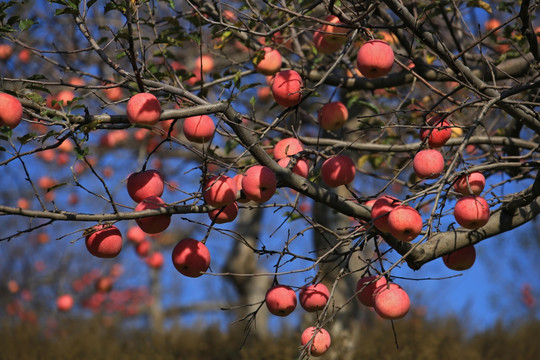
x=287 y=88
x=219 y=191
x=491 y=24
x=405 y=223
x=381 y=210
x=259 y=183
x=338 y=170
x=104 y=284
x=104 y=242
x=225 y=214
x=365 y=287
x=438 y=134
x=391 y=301
x=321 y=340
x=64 y=302
x=470 y=184
x=204 y=63
x=314 y=297
x=333 y=115
x=375 y=59
x=280 y=300
x=135 y=235
x=270 y=63
x=155 y=260
x=287 y=147
x=461 y=259
x=12 y=111
x=199 y=129
x=143 y=184
x=322 y=45
x=334 y=34
x=5 y=51
x=428 y=164
x=63 y=98
x=143 y=109
x=114 y=93
x=152 y=224
x=471 y=212
x=301 y=167
x=143 y=248
x=191 y=257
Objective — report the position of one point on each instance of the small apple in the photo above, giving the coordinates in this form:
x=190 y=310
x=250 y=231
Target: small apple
x=375 y=59
x=439 y=132
x=114 y=93
x=191 y=257
x=219 y=191
x=280 y=300
x=321 y=340
x=428 y=164
x=64 y=302
x=287 y=147
x=155 y=260
x=287 y=88
x=143 y=248
x=365 y=287
x=199 y=129
x=334 y=34
x=135 y=235
x=301 y=167
x=381 y=210
x=264 y=93
x=470 y=184
x=104 y=241
x=461 y=259
x=492 y=24
x=314 y=297
x=143 y=184
x=5 y=51
x=143 y=109
x=224 y=214
x=471 y=212
x=204 y=63
x=322 y=45
x=405 y=223
x=152 y=224
x=259 y=183
x=270 y=64
x=333 y=115
x=12 y=111
x=104 y=284
x=390 y=301
x=63 y=98
x=338 y=170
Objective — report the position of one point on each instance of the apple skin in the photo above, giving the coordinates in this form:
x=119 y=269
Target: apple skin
x=380 y=210
x=375 y=59
x=280 y=300
x=322 y=45
x=405 y=223
x=338 y=170
x=12 y=111
x=391 y=301
x=135 y=235
x=153 y=224
x=287 y=147
x=271 y=62
x=321 y=342
x=364 y=292
x=439 y=134
x=471 y=212
x=105 y=242
x=199 y=129
x=475 y=180
x=461 y=259
x=191 y=257
x=286 y=88
x=334 y=35
x=219 y=191
x=259 y=183
x=228 y=214
x=155 y=260
x=143 y=248
x=301 y=167
x=314 y=297
x=333 y=115
x=64 y=302
x=143 y=109
x=144 y=184
x=428 y=164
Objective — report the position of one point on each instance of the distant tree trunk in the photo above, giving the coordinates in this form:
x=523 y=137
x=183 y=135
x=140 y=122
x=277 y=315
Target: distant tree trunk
x=155 y=310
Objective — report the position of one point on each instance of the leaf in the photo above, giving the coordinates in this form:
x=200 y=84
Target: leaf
x=26 y=24
x=480 y=4
x=56 y=186
x=362 y=160
x=26 y=138
x=367 y=105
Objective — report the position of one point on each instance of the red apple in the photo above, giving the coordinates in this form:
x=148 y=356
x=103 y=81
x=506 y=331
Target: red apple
x=152 y=224
x=471 y=212
x=333 y=115
x=155 y=260
x=12 y=111
x=365 y=287
x=314 y=297
x=428 y=164
x=470 y=184
x=104 y=284
x=461 y=259
x=334 y=34
x=338 y=170
x=204 y=63
x=224 y=214
x=280 y=300
x=491 y=24
x=259 y=183
x=143 y=184
x=64 y=302
x=287 y=88
x=322 y=45
x=381 y=210
x=321 y=340
x=191 y=257
x=287 y=147
x=270 y=63
x=391 y=301
x=5 y=51
x=375 y=59
x=135 y=235
x=301 y=167
x=219 y=191
x=104 y=242
x=439 y=133
x=405 y=223
x=114 y=93
x=238 y=181
x=143 y=248
x=63 y=98
x=143 y=109
x=199 y=129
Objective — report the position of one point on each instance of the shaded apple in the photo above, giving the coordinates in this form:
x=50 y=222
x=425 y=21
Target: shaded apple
x=104 y=241
x=391 y=301
x=287 y=88
x=314 y=297
x=405 y=223
x=461 y=259
x=152 y=224
x=199 y=129
x=428 y=164
x=338 y=170
x=143 y=109
x=375 y=59
x=320 y=340
x=259 y=183
x=219 y=191
x=365 y=287
x=333 y=115
x=470 y=184
x=471 y=212
x=12 y=111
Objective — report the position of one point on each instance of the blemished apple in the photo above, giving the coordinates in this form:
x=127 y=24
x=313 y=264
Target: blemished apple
x=104 y=241
x=153 y=224
x=461 y=259
x=338 y=170
x=219 y=191
x=375 y=59
x=259 y=183
x=287 y=147
x=12 y=111
x=143 y=184
x=471 y=212
x=322 y=45
x=301 y=167
x=333 y=115
x=438 y=133
x=199 y=129
x=143 y=109
x=334 y=34
x=321 y=340
x=405 y=223
x=470 y=184
x=314 y=297
x=287 y=88
x=135 y=235
x=225 y=214
x=381 y=210
x=365 y=287
x=280 y=300
x=64 y=302
x=270 y=64
x=191 y=257
x=428 y=164
x=390 y=301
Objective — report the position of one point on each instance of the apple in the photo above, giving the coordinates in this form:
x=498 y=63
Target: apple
x=143 y=248
x=280 y=300
x=338 y=170
x=204 y=63
x=471 y=212
x=143 y=109
x=438 y=134
x=470 y=184
x=270 y=64
x=104 y=241
x=375 y=59
x=287 y=147
x=24 y=56
x=461 y=259
x=12 y=111
x=264 y=93
x=314 y=297
x=492 y=24
x=365 y=287
x=152 y=224
x=114 y=93
x=5 y=51
x=390 y=301
x=64 y=302
x=428 y=164
x=191 y=257
x=301 y=167
x=63 y=98
x=322 y=45
x=155 y=260
x=238 y=181
x=104 y=284
x=405 y=223
x=143 y=184
x=334 y=34
x=135 y=235
x=321 y=340
x=219 y=191
x=287 y=88
x=199 y=129
x=381 y=210
x=224 y=214
x=333 y=115
x=259 y=183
